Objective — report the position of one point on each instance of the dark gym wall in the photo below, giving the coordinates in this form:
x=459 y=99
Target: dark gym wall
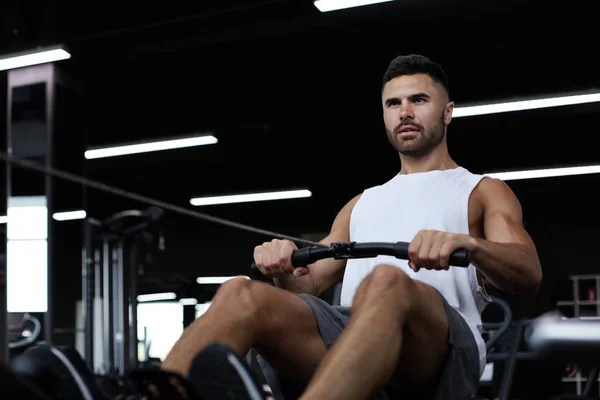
x=327 y=135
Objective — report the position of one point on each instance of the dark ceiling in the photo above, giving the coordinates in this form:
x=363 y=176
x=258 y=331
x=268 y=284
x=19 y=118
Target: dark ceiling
x=293 y=96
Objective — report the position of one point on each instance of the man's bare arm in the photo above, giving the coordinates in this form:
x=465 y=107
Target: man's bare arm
x=507 y=257
x=324 y=273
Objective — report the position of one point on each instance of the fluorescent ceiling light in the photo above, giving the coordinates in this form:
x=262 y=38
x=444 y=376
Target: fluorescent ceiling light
x=33 y=57
x=216 y=280
x=331 y=5
x=469 y=111
x=69 y=215
x=60 y=216
x=546 y=173
x=244 y=198
x=156 y=297
x=150 y=146
x=188 y=302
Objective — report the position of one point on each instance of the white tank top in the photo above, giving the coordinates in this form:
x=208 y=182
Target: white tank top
x=396 y=211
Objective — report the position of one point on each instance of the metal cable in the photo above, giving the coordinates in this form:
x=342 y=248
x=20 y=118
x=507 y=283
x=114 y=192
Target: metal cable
x=30 y=165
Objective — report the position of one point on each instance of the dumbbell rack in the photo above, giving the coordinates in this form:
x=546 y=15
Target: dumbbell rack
x=584 y=303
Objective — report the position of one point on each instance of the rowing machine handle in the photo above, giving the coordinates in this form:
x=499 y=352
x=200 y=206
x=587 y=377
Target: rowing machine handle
x=459 y=258
x=308 y=255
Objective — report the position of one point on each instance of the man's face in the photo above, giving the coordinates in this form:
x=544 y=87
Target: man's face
x=416 y=112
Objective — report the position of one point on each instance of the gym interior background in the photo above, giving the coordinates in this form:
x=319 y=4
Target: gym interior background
x=292 y=96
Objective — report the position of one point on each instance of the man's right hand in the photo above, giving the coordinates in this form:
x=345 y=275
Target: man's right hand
x=274 y=259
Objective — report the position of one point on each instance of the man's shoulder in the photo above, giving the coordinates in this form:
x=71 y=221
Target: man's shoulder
x=490 y=186
x=493 y=190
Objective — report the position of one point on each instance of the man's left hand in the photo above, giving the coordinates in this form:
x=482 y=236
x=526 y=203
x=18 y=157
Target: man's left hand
x=431 y=249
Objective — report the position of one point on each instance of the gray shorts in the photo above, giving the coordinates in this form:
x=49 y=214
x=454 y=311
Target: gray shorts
x=459 y=379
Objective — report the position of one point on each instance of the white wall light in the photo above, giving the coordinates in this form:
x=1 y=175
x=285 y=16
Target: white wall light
x=147 y=147
x=33 y=57
x=332 y=5
x=164 y=326
x=27 y=218
x=27 y=254
x=250 y=197
x=27 y=275
x=522 y=105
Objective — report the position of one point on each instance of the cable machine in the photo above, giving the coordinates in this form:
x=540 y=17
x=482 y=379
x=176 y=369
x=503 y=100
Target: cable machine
x=112 y=260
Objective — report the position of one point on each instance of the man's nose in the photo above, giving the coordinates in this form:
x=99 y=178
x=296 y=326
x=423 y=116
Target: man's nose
x=406 y=111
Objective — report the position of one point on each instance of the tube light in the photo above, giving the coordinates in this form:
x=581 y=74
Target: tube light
x=545 y=173
x=69 y=215
x=188 y=302
x=149 y=147
x=28 y=58
x=250 y=197
x=216 y=280
x=522 y=105
x=156 y=297
x=59 y=216
x=332 y=5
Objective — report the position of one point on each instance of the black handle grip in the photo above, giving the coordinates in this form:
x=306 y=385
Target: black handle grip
x=459 y=258
x=300 y=258
x=256 y=275
x=308 y=255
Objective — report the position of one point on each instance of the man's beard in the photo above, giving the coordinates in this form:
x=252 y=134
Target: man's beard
x=423 y=144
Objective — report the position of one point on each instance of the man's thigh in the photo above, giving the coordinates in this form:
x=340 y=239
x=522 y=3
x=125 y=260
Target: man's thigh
x=434 y=362
x=291 y=342
x=330 y=322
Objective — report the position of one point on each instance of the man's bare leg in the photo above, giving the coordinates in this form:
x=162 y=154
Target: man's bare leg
x=396 y=322
x=247 y=314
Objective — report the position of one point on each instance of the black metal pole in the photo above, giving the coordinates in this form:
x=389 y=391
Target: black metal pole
x=49 y=189
x=87 y=293
x=118 y=331
x=107 y=306
x=132 y=358
x=511 y=363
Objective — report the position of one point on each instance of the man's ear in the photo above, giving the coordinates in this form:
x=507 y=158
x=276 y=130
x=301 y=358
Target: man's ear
x=448 y=112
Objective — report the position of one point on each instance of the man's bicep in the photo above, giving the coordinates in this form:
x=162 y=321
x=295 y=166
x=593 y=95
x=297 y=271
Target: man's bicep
x=330 y=271
x=503 y=216
x=340 y=229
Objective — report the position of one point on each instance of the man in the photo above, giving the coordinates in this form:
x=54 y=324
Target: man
x=414 y=328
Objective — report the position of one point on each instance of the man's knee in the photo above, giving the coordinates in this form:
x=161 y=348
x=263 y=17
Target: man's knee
x=390 y=278
x=241 y=298
x=255 y=304
x=389 y=284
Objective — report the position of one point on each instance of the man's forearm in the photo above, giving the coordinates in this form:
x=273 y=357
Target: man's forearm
x=513 y=268
x=299 y=285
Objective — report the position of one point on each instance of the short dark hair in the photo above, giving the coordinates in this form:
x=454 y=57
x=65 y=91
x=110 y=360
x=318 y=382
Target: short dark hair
x=416 y=64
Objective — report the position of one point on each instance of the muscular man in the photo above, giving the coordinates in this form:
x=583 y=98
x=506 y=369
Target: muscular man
x=407 y=328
